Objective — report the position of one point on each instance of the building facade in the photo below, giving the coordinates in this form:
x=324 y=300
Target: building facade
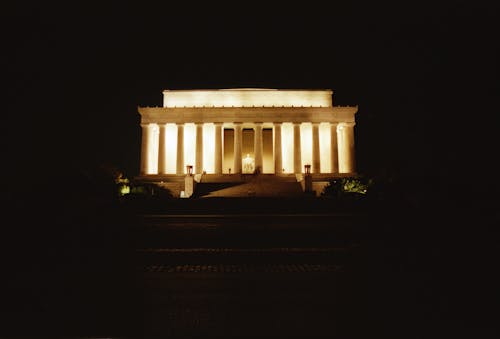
x=246 y=130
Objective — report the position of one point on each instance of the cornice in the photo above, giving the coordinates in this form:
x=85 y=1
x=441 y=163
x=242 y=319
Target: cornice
x=247 y=114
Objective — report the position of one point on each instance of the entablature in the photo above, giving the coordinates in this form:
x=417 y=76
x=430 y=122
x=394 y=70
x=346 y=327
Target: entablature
x=164 y=115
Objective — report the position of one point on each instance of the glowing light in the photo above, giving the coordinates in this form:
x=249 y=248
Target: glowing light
x=248 y=164
x=247 y=98
x=124 y=189
x=287 y=146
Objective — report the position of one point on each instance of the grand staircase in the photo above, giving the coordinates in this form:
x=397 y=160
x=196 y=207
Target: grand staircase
x=174 y=185
x=239 y=185
x=262 y=185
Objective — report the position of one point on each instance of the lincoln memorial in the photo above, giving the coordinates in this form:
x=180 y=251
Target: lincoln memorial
x=247 y=130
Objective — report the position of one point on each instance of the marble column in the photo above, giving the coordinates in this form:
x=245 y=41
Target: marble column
x=258 y=147
x=278 y=162
x=316 y=159
x=145 y=149
x=334 y=153
x=162 y=158
x=199 y=148
x=297 y=159
x=218 y=148
x=180 y=149
x=348 y=135
x=237 y=147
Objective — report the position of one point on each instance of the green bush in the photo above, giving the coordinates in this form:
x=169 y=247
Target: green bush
x=340 y=187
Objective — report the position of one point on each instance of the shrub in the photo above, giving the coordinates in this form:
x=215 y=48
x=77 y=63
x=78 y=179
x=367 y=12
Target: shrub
x=350 y=186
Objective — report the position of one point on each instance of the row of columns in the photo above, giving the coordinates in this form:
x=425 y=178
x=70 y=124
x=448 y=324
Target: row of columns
x=348 y=139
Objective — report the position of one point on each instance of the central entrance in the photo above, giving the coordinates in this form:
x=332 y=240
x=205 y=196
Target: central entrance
x=248 y=164
x=247 y=148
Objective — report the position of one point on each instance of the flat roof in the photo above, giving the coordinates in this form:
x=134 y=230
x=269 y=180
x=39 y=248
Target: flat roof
x=248 y=97
x=247 y=89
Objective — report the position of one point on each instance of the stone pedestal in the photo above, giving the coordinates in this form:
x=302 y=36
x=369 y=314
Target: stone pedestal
x=189 y=185
x=308 y=188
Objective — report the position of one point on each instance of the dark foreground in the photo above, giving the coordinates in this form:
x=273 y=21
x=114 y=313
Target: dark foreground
x=103 y=270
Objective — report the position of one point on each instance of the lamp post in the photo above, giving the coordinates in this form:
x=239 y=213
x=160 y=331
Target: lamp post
x=189 y=170
x=307 y=179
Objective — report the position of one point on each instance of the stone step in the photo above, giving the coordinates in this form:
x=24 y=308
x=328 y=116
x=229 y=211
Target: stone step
x=215 y=178
x=252 y=189
x=244 y=268
x=175 y=188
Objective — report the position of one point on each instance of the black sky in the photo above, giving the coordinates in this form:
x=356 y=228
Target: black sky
x=423 y=74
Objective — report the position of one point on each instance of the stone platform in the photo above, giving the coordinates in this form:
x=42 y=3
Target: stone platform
x=242 y=185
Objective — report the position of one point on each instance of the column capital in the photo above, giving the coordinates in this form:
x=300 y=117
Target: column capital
x=277 y=123
x=258 y=123
x=347 y=124
x=315 y=123
x=218 y=123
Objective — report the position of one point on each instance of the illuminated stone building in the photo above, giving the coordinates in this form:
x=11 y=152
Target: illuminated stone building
x=247 y=130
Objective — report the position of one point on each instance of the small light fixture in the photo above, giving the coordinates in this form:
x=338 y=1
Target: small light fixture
x=189 y=169
x=307 y=168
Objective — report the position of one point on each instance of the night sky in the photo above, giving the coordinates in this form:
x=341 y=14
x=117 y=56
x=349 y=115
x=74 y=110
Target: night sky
x=423 y=74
